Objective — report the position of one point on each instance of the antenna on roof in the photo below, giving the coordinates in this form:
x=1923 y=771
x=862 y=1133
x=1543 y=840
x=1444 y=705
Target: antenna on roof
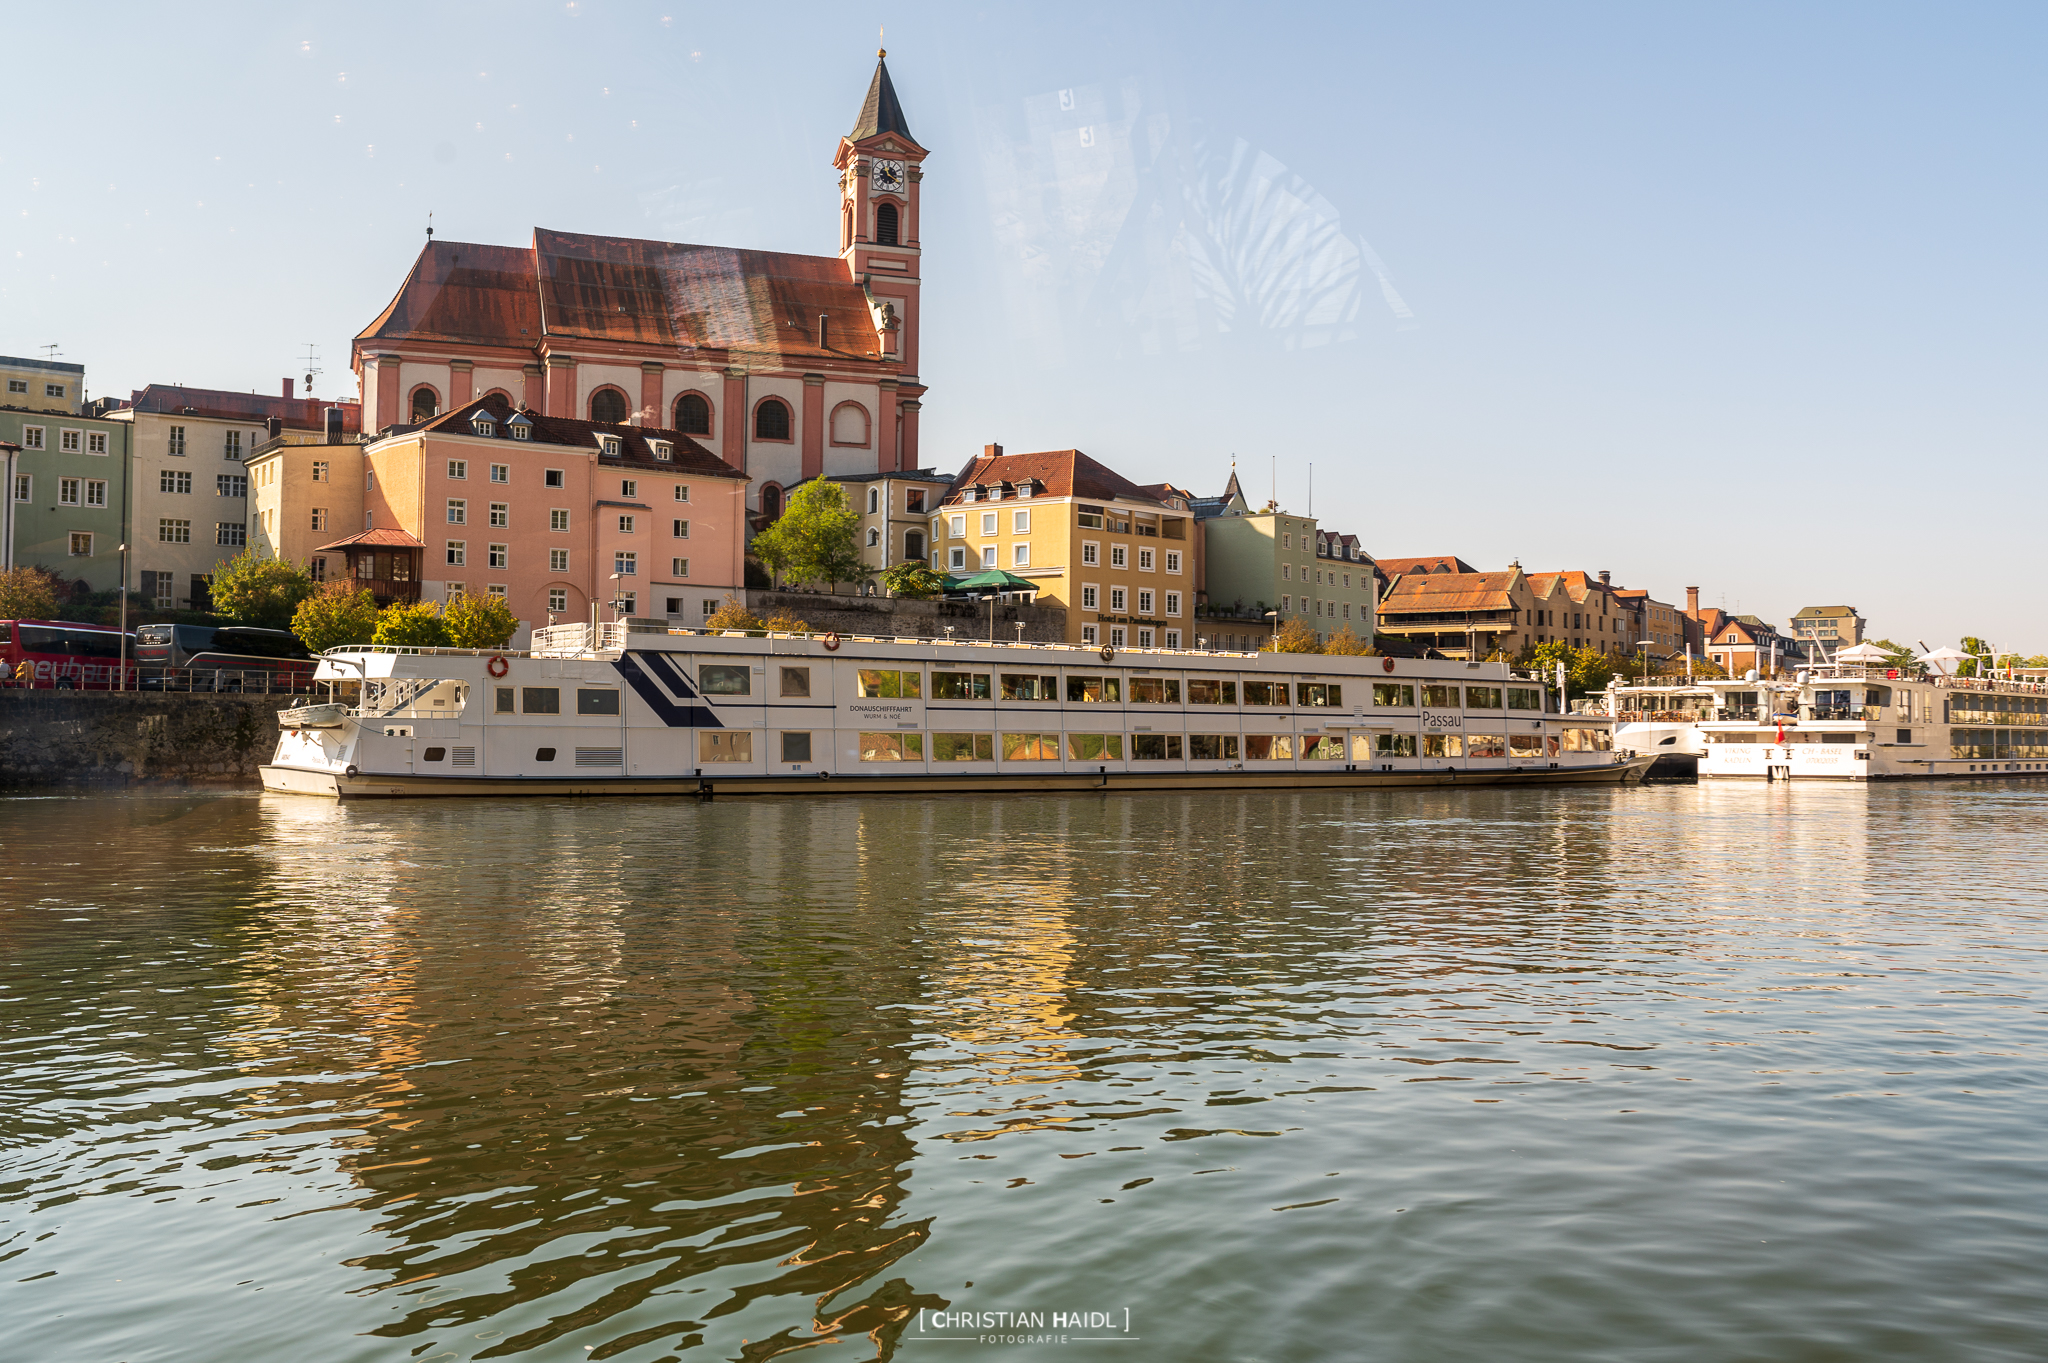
x=312 y=368
x=430 y=227
x=51 y=349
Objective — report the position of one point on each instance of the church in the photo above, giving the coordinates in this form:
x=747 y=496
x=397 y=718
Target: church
x=784 y=366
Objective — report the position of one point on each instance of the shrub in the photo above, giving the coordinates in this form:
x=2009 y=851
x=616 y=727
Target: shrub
x=1296 y=636
x=25 y=595
x=480 y=621
x=914 y=580
x=251 y=589
x=1346 y=643
x=411 y=624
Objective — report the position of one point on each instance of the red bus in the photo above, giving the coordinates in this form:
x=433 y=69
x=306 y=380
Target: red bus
x=64 y=654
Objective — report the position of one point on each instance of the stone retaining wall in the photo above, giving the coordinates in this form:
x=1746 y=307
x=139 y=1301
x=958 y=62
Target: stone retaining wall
x=887 y=615
x=50 y=738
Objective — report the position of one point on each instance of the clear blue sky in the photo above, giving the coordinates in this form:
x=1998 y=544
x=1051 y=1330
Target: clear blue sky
x=1742 y=296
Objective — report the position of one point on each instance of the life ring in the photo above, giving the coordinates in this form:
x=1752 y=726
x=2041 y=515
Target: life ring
x=1107 y=653
x=497 y=666
x=832 y=642
x=1386 y=664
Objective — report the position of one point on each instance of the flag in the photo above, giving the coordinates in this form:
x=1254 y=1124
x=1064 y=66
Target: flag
x=1781 y=731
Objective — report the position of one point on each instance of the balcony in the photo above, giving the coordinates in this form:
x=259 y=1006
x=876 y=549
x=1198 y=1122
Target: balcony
x=1842 y=711
x=1738 y=714
x=388 y=590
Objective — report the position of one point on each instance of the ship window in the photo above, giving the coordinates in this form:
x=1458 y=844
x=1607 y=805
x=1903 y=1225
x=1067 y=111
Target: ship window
x=543 y=754
x=796 y=681
x=960 y=686
x=504 y=705
x=796 y=747
x=433 y=754
x=722 y=681
x=541 y=700
x=604 y=701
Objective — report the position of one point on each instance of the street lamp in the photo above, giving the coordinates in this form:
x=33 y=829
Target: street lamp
x=124 y=616
x=1274 y=616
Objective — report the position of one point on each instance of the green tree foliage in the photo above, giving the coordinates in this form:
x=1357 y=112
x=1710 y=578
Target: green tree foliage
x=1969 y=666
x=480 y=622
x=1346 y=643
x=412 y=624
x=1899 y=656
x=1296 y=636
x=816 y=540
x=2038 y=660
x=914 y=580
x=337 y=614
x=731 y=614
x=1585 y=669
x=251 y=589
x=25 y=595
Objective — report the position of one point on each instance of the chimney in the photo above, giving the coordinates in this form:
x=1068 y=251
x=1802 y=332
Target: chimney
x=287 y=390
x=992 y=451
x=1603 y=577
x=1692 y=602
x=274 y=427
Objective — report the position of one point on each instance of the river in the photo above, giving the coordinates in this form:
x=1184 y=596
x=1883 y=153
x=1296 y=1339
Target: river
x=1686 y=1072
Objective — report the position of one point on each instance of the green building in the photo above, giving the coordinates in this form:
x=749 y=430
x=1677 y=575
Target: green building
x=67 y=493
x=1274 y=560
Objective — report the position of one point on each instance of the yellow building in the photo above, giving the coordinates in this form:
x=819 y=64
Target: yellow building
x=1121 y=561
x=894 y=510
x=303 y=493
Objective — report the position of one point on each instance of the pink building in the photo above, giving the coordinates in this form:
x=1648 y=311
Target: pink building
x=789 y=366
x=544 y=511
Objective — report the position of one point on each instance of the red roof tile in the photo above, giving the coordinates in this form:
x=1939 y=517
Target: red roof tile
x=377 y=539
x=307 y=414
x=686 y=455
x=1441 y=563
x=1424 y=591
x=1065 y=473
x=462 y=291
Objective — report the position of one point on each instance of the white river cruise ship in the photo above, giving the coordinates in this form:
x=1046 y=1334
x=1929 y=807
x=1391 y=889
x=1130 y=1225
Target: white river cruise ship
x=1841 y=722
x=632 y=709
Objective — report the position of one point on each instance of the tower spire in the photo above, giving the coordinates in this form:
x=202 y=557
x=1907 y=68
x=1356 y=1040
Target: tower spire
x=880 y=113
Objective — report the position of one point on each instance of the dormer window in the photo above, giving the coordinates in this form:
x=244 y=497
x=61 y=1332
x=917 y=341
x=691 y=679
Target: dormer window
x=483 y=425
x=1026 y=488
x=521 y=427
x=610 y=445
x=522 y=432
x=663 y=450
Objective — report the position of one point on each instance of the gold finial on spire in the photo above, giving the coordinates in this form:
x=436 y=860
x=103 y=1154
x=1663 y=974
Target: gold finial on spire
x=881 y=36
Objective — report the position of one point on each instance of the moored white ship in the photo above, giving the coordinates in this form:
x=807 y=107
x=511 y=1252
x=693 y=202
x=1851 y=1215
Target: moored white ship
x=630 y=709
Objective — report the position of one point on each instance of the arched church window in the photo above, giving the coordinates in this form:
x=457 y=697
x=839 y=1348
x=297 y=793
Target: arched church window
x=771 y=501
x=771 y=420
x=693 y=414
x=885 y=225
x=424 y=404
x=849 y=424
x=608 y=406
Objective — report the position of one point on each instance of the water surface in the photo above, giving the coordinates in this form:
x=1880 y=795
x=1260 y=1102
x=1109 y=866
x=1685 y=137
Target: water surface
x=1683 y=1072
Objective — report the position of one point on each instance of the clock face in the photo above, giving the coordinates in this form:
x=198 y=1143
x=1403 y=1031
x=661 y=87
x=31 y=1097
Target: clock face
x=887 y=176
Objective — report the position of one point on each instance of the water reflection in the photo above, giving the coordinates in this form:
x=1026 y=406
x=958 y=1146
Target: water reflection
x=1464 y=1072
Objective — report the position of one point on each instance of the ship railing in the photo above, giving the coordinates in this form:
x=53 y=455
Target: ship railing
x=1660 y=716
x=1843 y=711
x=1737 y=713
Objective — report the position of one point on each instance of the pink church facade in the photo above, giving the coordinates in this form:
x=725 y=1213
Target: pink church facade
x=784 y=366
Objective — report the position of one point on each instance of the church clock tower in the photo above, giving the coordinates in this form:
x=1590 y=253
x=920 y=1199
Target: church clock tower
x=881 y=173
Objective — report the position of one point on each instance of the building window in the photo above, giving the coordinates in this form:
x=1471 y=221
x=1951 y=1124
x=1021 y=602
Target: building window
x=625 y=563
x=231 y=484
x=1091 y=553
x=1173 y=603
x=173 y=480
x=771 y=501
x=482 y=424
x=230 y=532
x=317 y=569
x=231 y=446
x=497 y=554
x=956 y=527
x=320 y=471
x=17 y=385
x=629 y=487
x=68 y=442
x=1087 y=634
x=95 y=492
x=1089 y=596
x=1286 y=603
x=1117 y=598
x=1173 y=638
x=625 y=525
x=1144 y=560
x=169 y=531
x=771 y=420
x=558 y=518
x=53 y=390
x=1020 y=522
x=558 y=560
x=608 y=407
x=69 y=490
x=24 y=487
x=81 y=545
x=1173 y=560
x=988 y=556
x=557 y=478
x=679 y=567
x=680 y=529
x=458 y=511
x=424 y=405
x=956 y=559
x=319 y=518
x=874 y=500
x=1144 y=603
x=497 y=589
x=1117 y=557
x=693 y=414
x=521 y=430
x=501 y=473
x=501 y=514
x=682 y=492
x=885 y=224
x=988 y=522
x=1287 y=572
x=1020 y=556
x=453 y=589
x=850 y=425
x=1116 y=636
x=95 y=442
x=1144 y=638
x=458 y=469
x=458 y=553
x=558 y=600
x=32 y=439
x=913 y=544
x=874 y=537
x=177 y=438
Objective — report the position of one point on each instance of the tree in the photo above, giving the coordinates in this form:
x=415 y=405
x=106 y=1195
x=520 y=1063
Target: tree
x=337 y=614
x=25 y=595
x=1345 y=643
x=411 y=624
x=480 y=621
x=1973 y=645
x=2038 y=660
x=1585 y=669
x=782 y=622
x=816 y=540
x=731 y=614
x=1900 y=656
x=251 y=589
x=1296 y=636
x=914 y=580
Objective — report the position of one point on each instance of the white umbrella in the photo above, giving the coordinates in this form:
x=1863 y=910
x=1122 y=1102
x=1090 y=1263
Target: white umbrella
x=1942 y=657
x=1863 y=653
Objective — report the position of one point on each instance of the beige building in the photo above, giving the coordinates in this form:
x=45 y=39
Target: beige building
x=42 y=385
x=1832 y=627
x=303 y=495
x=895 y=516
x=1120 y=561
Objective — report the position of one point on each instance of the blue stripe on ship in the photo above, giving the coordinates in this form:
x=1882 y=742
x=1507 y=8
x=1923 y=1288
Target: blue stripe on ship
x=635 y=667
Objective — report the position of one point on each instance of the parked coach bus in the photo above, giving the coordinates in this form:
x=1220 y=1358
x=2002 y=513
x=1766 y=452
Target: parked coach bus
x=221 y=658
x=63 y=654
